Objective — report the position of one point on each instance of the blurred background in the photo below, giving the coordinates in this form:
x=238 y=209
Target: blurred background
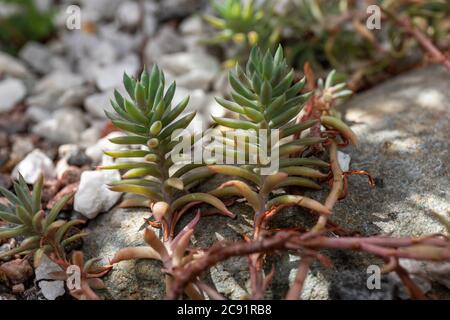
x=61 y=60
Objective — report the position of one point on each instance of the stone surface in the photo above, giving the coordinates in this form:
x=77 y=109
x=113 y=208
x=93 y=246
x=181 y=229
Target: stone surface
x=35 y=164
x=12 y=92
x=93 y=195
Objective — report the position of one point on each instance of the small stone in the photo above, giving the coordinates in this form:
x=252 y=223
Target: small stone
x=21 y=147
x=16 y=271
x=7 y=296
x=10 y=66
x=167 y=41
x=70 y=176
x=59 y=81
x=96 y=104
x=95 y=152
x=67 y=190
x=352 y=285
x=37 y=113
x=111 y=76
x=4 y=139
x=171 y=9
x=123 y=43
x=66 y=150
x=12 y=92
x=79 y=159
x=34 y=164
x=18 y=288
x=65 y=127
x=37 y=56
x=129 y=14
x=49 y=90
x=5 y=181
x=74 y=97
x=93 y=195
x=4 y=158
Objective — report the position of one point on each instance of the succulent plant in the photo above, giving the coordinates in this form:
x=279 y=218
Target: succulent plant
x=43 y=233
x=28 y=23
x=150 y=121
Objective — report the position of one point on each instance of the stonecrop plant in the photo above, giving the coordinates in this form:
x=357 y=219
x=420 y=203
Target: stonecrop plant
x=43 y=233
x=150 y=121
x=266 y=101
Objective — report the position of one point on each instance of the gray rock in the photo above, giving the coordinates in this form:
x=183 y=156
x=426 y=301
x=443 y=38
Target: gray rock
x=344 y=161
x=21 y=147
x=192 y=70
x=352 y=285
x=79 y=159
x=37 y=113
x=178 y=8
x=49 y=90
x=37 y=56
x=95 y=152
x=403 y=128
x=93 y=195
x=192 y=25
x=104 y=53
x=129 y=14
x=11 y=66
x=111 y=76
x=402 y=125
x=96 y=104
x=100 y=9
x=65 y=126
x=12 y=92
x=35 y=164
